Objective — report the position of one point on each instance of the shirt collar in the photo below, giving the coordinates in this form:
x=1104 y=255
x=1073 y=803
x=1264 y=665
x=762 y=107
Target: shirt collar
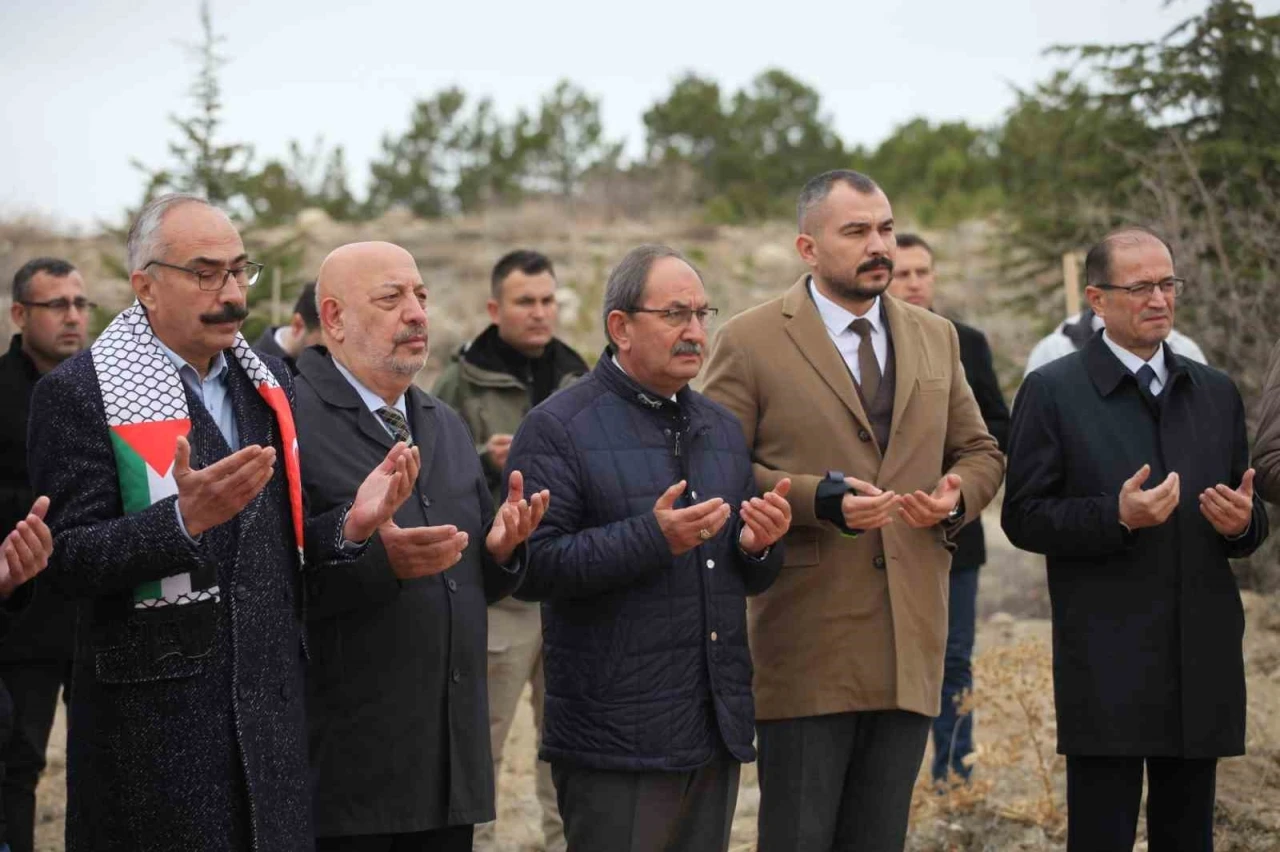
x=370 y=399
x=283 y=337
x=217 y=367
x=624 y=372
x=837 y=318
x=1133 y=363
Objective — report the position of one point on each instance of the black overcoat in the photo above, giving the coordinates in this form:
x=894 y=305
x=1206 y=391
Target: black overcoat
x=1148 y=626
x=397 y=698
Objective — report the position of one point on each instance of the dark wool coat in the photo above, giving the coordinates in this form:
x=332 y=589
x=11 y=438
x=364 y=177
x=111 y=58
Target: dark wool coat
x=645 y=653
x=1147 y=626
x=399 y=712
x=187 y=730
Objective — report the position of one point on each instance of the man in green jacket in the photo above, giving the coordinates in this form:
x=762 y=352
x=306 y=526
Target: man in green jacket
x=493 y=381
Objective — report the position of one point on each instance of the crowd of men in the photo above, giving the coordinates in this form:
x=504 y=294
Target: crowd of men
x=292 y=600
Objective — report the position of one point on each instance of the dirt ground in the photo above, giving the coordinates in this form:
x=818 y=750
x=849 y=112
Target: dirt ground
x=1016 y=802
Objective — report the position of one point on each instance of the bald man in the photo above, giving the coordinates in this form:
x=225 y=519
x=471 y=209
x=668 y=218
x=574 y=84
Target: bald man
x=397 y=698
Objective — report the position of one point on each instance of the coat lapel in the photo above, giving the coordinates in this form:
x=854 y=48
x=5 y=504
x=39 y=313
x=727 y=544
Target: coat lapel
x=905 y=331
x=804 y=325
x=421 y=407
x=335 y=390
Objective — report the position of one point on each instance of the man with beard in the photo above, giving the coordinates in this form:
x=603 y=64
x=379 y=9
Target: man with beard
x=51 y=313
x=913 y=282
x=1129 y=470
x=644 y=563
x=286 y=342
x=513 y=365
x=861 y=401
x=397 y=705
x=174 y=524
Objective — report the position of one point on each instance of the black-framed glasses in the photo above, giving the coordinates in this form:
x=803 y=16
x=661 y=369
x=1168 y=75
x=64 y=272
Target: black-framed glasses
x=62 y=305
x=245 y=275
x=1144 y=289
x=679 y=317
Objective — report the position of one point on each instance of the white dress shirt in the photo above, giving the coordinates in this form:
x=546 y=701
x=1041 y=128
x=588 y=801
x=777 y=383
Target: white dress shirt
x=837 y=319
x=1133 y=363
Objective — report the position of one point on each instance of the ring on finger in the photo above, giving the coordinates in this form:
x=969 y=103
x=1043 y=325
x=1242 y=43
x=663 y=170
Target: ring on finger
x=704 y=534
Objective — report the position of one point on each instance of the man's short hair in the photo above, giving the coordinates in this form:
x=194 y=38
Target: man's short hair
x=910 y=240
x=818 y=188
x=625 y=288
x=143 y=244
x=305 y=307
x=1097 y=263
x=525 y=260
x=56 y=267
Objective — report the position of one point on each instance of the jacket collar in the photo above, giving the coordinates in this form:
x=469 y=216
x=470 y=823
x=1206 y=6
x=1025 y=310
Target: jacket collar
x=1107 y=372
x=637 y=394
x=20 y=356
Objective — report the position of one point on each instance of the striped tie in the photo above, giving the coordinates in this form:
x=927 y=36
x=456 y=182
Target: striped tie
x=396 y=424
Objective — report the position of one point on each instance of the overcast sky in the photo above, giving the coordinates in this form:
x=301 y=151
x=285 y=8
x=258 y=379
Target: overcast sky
x=87 y=85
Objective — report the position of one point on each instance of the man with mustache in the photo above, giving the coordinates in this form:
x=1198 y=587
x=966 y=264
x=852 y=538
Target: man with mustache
x=1129 y=470
x=861 y=401
x=643 y=565
x=494 y=380
x=168 y=452
x=396 y=689
x=50 y=311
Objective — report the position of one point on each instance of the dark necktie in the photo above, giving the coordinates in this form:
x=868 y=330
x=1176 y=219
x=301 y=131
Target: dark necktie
x=1146 y=376
x=396 y=423
x=868 y=366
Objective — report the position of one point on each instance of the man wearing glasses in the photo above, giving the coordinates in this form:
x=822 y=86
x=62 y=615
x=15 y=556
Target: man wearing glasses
x=1129 y=470
x=168 y=451
x=643 y=563
x=51 y=315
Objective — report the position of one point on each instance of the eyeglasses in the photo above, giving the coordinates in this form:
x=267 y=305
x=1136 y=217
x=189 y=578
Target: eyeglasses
x=679 y=317
x=245 y=275
x=1144 y=289
x=80 y=303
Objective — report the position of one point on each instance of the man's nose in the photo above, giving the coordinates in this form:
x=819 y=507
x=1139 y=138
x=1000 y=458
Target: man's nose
x=415 y=313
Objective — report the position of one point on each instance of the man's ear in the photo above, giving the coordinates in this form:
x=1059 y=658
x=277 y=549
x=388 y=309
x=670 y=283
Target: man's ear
x=492 y=307
x=1094 y=297
x=298 y=326
x=144 y=288
x=807 y=248
x=619 y=330
x=333 y=319
x=18 y=316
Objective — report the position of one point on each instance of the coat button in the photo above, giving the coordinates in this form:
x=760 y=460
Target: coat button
x=864 y=435
x=452 y=584
x=455 y=676
x=286 y=692
x=714 y=636
x=711 y=563
x=242 y=691
x=426 y=503
x=242 y=591
x=878 y=562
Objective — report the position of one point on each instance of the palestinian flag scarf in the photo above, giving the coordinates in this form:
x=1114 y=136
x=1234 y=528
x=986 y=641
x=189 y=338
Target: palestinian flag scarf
x=146 y=409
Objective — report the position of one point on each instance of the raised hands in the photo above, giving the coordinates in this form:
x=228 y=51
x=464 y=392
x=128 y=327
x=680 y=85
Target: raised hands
x=1229 y=510
x=26 y=549
x=215 y=494
x=383 y=491
x=1149 y=508
x=516 y=519
x=765 y=519
x=684 y=529
x=869 y=508
x=922 y=510
x=422 y=551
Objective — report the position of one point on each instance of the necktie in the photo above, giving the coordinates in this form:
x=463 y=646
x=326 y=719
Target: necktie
x=1146 y=376
x=396 y=423
x=868 y=366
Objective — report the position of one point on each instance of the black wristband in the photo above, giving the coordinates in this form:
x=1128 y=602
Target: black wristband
x=828 y=498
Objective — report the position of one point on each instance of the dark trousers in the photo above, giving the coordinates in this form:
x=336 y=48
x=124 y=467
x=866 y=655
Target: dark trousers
x=952 y=732
x=1104 y=793
x=839 y=782
x=33 y=685
x=615 y=811
x=455 y=838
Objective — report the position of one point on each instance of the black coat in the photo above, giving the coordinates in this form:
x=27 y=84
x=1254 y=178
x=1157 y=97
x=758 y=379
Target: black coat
x=397 y=698
x=645 y=653
x=46 y=630
x=187 y=730
x=975 y=356
x=1147 y=627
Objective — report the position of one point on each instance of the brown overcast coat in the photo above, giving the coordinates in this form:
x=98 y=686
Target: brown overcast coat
x=851 y=623
x=1266 y=449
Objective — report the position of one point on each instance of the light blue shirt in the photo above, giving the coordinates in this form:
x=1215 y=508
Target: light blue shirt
x=212 y=391
x=371 y=400
x=1133 y=363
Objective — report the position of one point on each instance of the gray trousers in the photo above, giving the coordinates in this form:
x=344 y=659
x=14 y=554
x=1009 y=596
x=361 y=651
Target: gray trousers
x=839 y=782
x=612 y=811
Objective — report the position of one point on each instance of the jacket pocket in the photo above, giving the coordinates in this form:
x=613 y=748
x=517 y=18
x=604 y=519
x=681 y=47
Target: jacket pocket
x=800 y=548
x=160 y=644
x=933 y=384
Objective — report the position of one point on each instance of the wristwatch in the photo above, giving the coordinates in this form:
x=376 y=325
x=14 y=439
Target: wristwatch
x=828 y=498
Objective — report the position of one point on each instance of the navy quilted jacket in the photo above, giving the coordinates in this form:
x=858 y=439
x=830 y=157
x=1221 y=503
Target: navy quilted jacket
x=645 y=653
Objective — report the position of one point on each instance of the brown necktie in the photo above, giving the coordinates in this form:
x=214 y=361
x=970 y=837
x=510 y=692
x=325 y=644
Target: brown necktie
x=868 y=366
